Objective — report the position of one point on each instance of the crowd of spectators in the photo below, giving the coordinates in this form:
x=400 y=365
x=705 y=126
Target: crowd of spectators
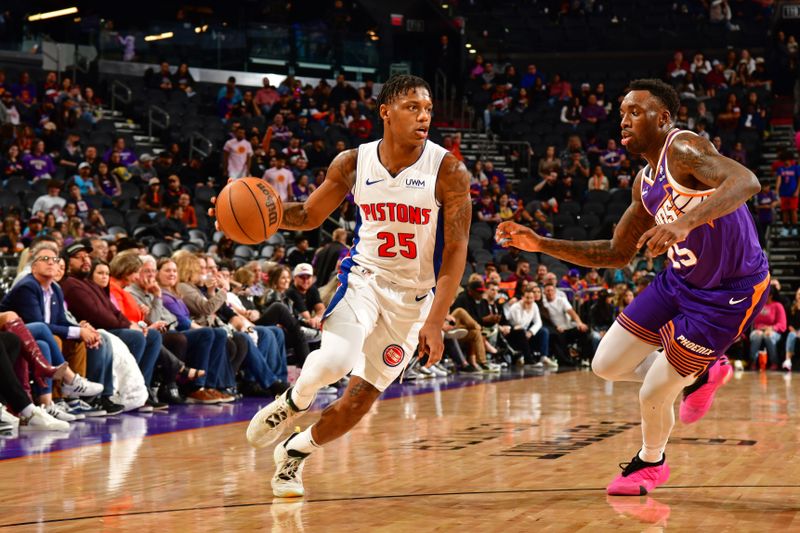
x=150 y=332
x=247 y=316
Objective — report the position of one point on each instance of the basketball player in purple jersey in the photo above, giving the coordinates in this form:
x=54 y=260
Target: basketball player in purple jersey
x=412 y=228
x=689 y=201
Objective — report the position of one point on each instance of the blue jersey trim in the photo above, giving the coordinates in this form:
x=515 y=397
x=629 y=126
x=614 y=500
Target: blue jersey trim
x=438 y=249
x=344 y=268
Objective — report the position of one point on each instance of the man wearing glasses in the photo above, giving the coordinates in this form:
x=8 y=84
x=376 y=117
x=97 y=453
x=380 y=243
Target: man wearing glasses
x=37 y=298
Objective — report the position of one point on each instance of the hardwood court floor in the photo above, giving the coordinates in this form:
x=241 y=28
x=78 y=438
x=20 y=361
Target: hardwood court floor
x=523 y=455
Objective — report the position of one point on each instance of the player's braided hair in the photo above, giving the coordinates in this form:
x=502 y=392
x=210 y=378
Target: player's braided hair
x=659 y=89
x=398 y=85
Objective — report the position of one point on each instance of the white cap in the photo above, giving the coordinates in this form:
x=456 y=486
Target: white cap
x=303 y=269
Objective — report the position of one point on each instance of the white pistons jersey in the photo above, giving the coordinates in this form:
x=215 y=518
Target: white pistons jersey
x=399 y=231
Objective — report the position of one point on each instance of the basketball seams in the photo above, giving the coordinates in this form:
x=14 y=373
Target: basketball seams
x=241 y=226
x=260 y=210
x=233 y=212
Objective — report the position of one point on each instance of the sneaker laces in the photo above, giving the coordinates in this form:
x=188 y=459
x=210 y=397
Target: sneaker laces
x=78 y=384
x=637 y=464
x=277 y=418
x=289 y=470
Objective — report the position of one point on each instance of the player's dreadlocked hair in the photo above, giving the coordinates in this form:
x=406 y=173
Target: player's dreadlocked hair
x=662 y=91
x=399 y=85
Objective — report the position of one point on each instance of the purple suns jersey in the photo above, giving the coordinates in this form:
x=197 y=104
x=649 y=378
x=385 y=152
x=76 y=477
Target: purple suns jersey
x=714 y=254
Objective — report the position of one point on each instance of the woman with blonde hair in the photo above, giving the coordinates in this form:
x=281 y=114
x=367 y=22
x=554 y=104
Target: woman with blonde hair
x=211 y=308
x=218 y=367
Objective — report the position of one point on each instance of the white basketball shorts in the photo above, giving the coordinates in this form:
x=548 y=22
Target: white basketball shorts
x=391 y=317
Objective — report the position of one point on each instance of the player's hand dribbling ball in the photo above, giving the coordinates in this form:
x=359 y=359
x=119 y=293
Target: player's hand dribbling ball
x=248 y=210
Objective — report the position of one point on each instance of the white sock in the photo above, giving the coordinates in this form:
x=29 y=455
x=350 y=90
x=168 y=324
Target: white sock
x=303 y=442
x=302 y=401
x=649 y=455
x=28 y=411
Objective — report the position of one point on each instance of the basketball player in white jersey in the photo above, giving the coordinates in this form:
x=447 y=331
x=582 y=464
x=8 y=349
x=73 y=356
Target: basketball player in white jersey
x=408 y=255
x=690 y=202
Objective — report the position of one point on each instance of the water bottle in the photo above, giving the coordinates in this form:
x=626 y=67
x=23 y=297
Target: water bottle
x=762 y=359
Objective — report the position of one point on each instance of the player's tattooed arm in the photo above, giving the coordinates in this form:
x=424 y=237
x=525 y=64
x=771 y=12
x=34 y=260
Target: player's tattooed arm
x=616 y=252
x=452 y=191
x=339 y=181
x=692 y=157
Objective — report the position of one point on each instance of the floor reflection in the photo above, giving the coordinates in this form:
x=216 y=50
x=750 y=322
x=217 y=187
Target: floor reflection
x=644 y=509
x=136 y=426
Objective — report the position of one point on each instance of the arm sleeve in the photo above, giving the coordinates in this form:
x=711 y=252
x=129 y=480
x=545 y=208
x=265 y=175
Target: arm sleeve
x=86 y=307
x=24 y=301
x=298 y=302
x=513 y=315
x=198 y=304
x=780 y=315
x=536 y=323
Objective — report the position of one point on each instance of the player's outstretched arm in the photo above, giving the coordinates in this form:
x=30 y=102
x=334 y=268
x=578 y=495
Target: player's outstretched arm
x=616 y=252
x=322 y=202
x=692 y=156
x=452 y=190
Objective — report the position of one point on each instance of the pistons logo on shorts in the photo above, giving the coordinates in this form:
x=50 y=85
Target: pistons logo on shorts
x=393 y=355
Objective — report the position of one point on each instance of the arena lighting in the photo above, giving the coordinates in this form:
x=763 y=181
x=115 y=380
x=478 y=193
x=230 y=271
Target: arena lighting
x=473 y=51
x=53 y=14
x=467 y=45
x=165 y=35
x=445 y=6
x=201 y=29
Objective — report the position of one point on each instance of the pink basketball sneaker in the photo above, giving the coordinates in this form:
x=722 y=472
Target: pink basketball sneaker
x=697 y=399
x=638 y=478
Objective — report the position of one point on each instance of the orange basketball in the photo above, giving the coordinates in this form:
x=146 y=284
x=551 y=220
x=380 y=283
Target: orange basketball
x=249 y=210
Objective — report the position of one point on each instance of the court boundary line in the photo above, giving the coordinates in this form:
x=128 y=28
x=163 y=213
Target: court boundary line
x=283 y=501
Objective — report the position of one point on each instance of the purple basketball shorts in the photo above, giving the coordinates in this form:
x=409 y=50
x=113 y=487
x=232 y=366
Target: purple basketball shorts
x=694 y=326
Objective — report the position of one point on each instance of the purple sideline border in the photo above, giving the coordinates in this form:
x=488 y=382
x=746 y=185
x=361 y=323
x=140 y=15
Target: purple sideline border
x=92 y=431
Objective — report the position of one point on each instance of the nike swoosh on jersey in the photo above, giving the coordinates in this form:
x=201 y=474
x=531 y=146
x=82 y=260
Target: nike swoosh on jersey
x=734 y=302
x=420 y=298
x=373 y=182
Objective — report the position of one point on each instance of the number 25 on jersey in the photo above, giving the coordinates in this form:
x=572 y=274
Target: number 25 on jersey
x=401 y=242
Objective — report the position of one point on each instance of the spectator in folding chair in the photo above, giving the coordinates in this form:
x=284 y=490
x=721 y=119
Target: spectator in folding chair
x=572 y=341
x=528 y=334
x=471 y=312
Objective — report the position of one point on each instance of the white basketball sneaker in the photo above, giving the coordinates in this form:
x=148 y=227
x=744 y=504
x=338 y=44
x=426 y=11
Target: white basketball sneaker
x=81 y=388
x=58 y=412
x=40 y=420
x=8 y=418
x=549 y=363
x=288 y=479
x=268 y=424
